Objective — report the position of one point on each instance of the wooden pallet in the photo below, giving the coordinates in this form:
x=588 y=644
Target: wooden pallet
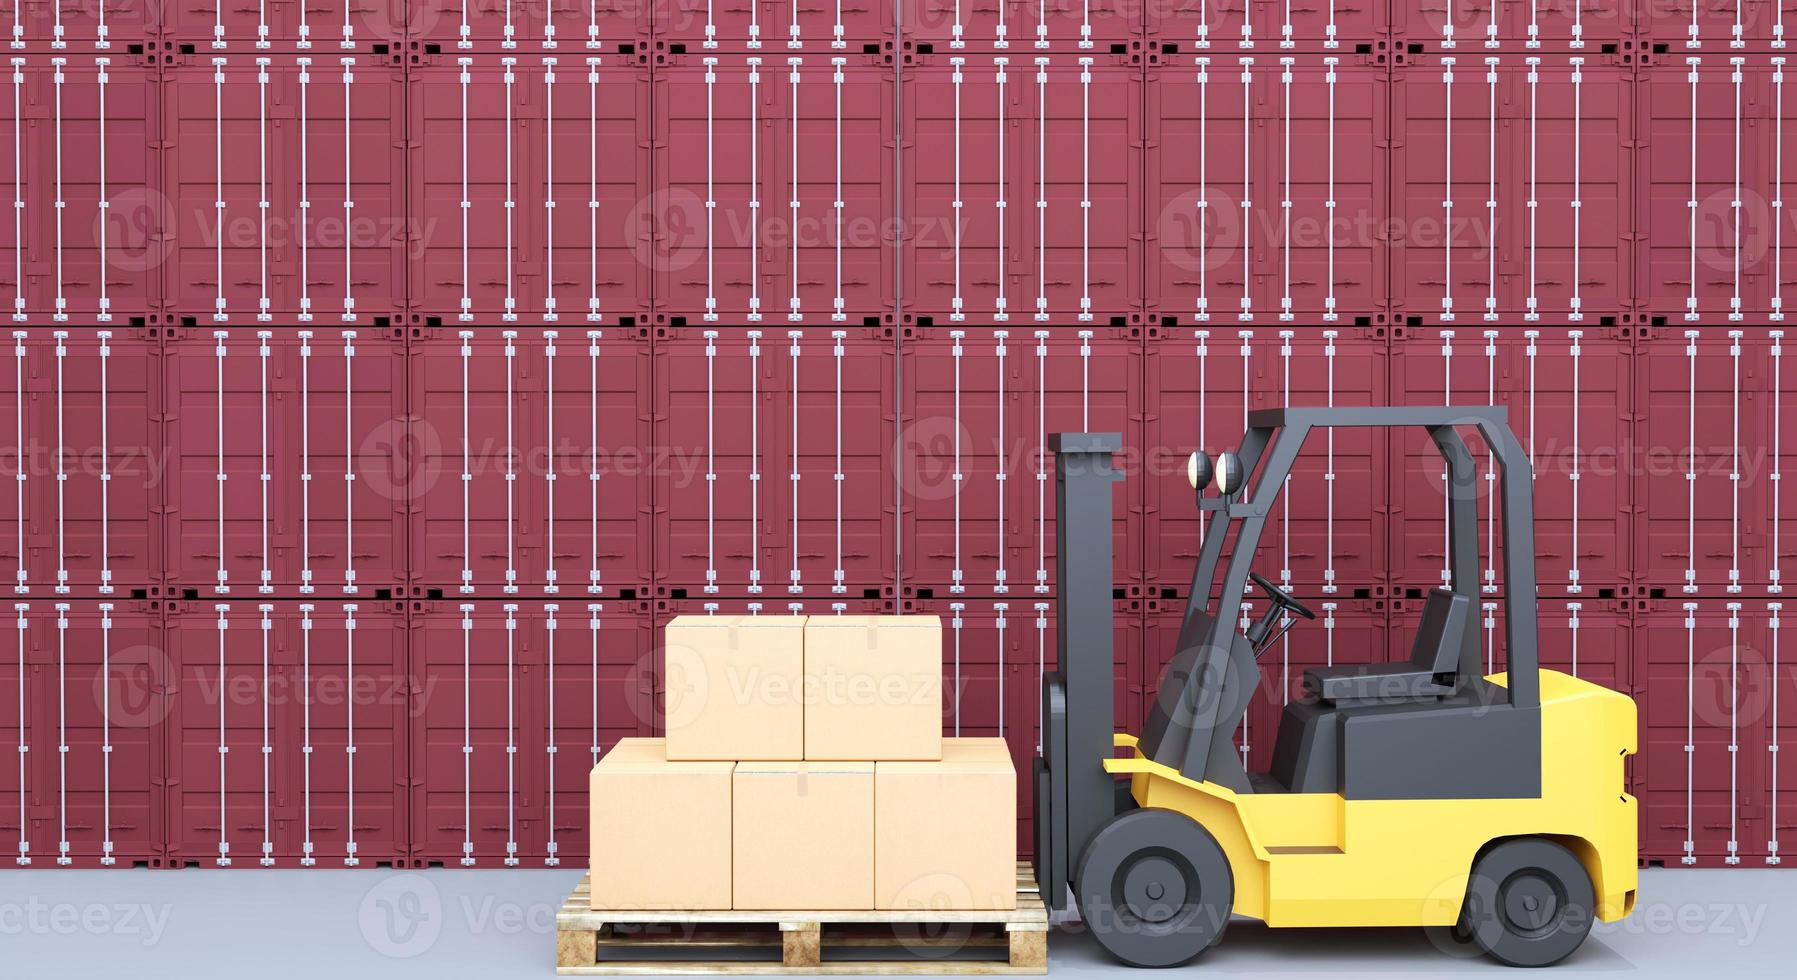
x=894 y=943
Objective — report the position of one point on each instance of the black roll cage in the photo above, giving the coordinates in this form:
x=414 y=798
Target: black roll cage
x=1285 y=430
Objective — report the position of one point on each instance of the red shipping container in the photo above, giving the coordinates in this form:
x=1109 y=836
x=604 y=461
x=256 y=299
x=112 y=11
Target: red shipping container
x=89 y=677
x=1570 y=394
x=1716 y=28
x=1346 y=631
x=1744 y=408
x=775 y=145
x=533 y=448
x=1253 y=26
x=1327 y=535
x=83 y=243
x=289 y=461
x=551 y=157
x=1766 y=500
x=1536 y=222
x=570 y=27
x=1703 y=689
x=978 y=488
x=1780 y=730
x=335 y=28
x=602 y=651
x=487 y=788
x=1236 y=138
x=776 y=27
x=994 y=655
x=774 y=466
x=1701 y=428
x=1023 y=26
x=321 y=143
x=81 y=441
x=1712 y=242
x=100 y=29
x=666 y=609
x=287 y=733
x=1034 y=225
x=1591 y=640
x=1476 y=29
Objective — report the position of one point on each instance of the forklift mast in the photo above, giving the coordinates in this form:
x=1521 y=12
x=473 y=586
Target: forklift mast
x=1074 y=795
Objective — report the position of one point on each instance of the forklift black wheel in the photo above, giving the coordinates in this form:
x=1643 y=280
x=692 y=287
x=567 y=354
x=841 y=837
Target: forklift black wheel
x=1155 y=888
x=1529 y=903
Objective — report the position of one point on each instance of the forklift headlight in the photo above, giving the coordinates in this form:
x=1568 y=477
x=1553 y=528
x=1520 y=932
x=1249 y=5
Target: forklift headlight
x=1198 y=470
x=1229 y=473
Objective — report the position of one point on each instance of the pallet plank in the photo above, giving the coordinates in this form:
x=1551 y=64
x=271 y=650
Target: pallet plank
x=1029 y=950
x=576 y=948
x=665 y=968
x=805 y=939
x=801 y=944
x=872 y=936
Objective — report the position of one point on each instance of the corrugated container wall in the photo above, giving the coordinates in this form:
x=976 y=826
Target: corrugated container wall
x=384 y=377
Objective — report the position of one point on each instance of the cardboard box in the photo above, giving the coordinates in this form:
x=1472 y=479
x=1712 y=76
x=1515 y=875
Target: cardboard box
x=660 y=830
x=873 y=687
x=945 y=833
x=804 y=835
x=732 y=687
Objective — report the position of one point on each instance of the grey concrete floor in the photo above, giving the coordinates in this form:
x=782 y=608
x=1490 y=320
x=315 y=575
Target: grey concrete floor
x=195 y=923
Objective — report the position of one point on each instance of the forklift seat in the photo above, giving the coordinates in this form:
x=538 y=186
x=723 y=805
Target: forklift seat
x=1429 y=674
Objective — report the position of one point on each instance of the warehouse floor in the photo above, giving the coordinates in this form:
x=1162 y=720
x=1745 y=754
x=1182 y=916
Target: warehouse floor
x=499 y=924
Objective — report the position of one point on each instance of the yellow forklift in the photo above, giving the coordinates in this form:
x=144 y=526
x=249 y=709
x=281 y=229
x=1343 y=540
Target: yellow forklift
x=1408 y=793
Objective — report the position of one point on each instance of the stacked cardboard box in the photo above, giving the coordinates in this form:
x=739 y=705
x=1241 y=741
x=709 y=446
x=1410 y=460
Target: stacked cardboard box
x=804 y=768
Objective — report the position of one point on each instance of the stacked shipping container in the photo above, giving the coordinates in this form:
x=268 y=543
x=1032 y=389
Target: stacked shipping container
x=384 y=378
x=914 y=163
x=417 y=594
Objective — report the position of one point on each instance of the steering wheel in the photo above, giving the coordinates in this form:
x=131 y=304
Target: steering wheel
x=1281 y=597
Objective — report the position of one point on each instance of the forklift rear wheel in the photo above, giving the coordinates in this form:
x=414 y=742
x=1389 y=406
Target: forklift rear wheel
x=1155 y=888
x=1529 y=903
